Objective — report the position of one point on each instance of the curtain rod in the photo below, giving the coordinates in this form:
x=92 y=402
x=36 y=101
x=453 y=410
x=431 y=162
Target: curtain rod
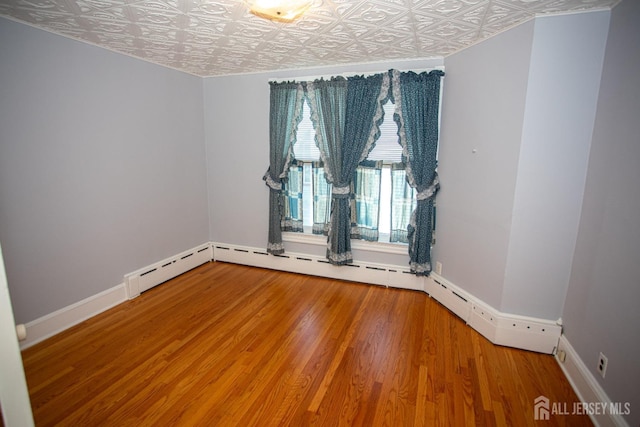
x=347 y=74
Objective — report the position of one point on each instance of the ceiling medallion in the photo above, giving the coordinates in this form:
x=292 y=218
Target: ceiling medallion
x=279 y=10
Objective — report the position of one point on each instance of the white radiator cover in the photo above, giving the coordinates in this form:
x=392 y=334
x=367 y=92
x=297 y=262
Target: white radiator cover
x=510 y=330
x=159 y=272
x=375 y=274
x=500 y=328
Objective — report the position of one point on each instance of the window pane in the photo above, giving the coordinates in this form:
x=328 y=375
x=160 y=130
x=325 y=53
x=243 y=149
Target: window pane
x=366 y=185
x=387 y=147
x=403 y=203
x=305 y=146
x=307 y=199
x=384 y=224
x=321 y=200
x=292 y=220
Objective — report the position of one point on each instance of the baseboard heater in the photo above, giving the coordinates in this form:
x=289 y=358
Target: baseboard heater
x=510 y=330
x=155 y=274
x=370 y=273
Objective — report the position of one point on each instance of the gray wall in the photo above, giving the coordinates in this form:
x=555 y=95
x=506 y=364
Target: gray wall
x=601 y=313
x=236 y=111
x=483 y=106
x=102 y=167
x=562 y=90
x=517 y=116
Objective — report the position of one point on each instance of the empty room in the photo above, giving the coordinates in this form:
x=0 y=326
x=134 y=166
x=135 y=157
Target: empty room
x=319 y=212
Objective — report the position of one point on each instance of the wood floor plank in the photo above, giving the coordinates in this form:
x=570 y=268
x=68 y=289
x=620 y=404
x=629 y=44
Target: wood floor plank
x=231 y=345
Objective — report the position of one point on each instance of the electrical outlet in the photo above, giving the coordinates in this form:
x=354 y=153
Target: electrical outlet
x=438 y=268
x=602 y=364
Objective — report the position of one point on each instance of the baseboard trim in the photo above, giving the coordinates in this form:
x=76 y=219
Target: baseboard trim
x=134 y=283
x=500 y=328
x=587 y=388
x=510 y=330
x=161 y=271
x=527 y=333
x=47 y=326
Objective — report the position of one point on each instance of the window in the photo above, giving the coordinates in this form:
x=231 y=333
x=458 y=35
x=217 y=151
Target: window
x=350 y=102
x=383 y=200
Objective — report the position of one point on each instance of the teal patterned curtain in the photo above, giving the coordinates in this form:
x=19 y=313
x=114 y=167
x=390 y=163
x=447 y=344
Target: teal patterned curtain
x=292 y=219
x=321 y=199
x=365 y=210
x=346 y=114
x=417 y=99
x=285 y=115
x=403 y=203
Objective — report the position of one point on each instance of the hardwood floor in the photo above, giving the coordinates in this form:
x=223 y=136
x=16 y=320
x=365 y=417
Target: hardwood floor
x=229 y=345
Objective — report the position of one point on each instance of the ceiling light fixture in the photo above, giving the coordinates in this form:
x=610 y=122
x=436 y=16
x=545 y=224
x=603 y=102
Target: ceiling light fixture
x=279 y=10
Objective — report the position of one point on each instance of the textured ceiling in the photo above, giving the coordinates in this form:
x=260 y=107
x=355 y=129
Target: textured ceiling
x=209 y=38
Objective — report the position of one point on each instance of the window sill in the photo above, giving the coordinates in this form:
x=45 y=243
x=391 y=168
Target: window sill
x=314 y=239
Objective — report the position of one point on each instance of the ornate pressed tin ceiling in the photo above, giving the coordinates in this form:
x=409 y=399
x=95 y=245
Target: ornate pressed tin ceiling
x=209 y=38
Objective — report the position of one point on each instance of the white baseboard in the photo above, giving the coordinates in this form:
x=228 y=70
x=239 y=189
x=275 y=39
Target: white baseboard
x=510 y=330
x=53 y=323
x=374 y=274
x=134 y=283
x=161 y=271
x=586 y=386
x=500 y=328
